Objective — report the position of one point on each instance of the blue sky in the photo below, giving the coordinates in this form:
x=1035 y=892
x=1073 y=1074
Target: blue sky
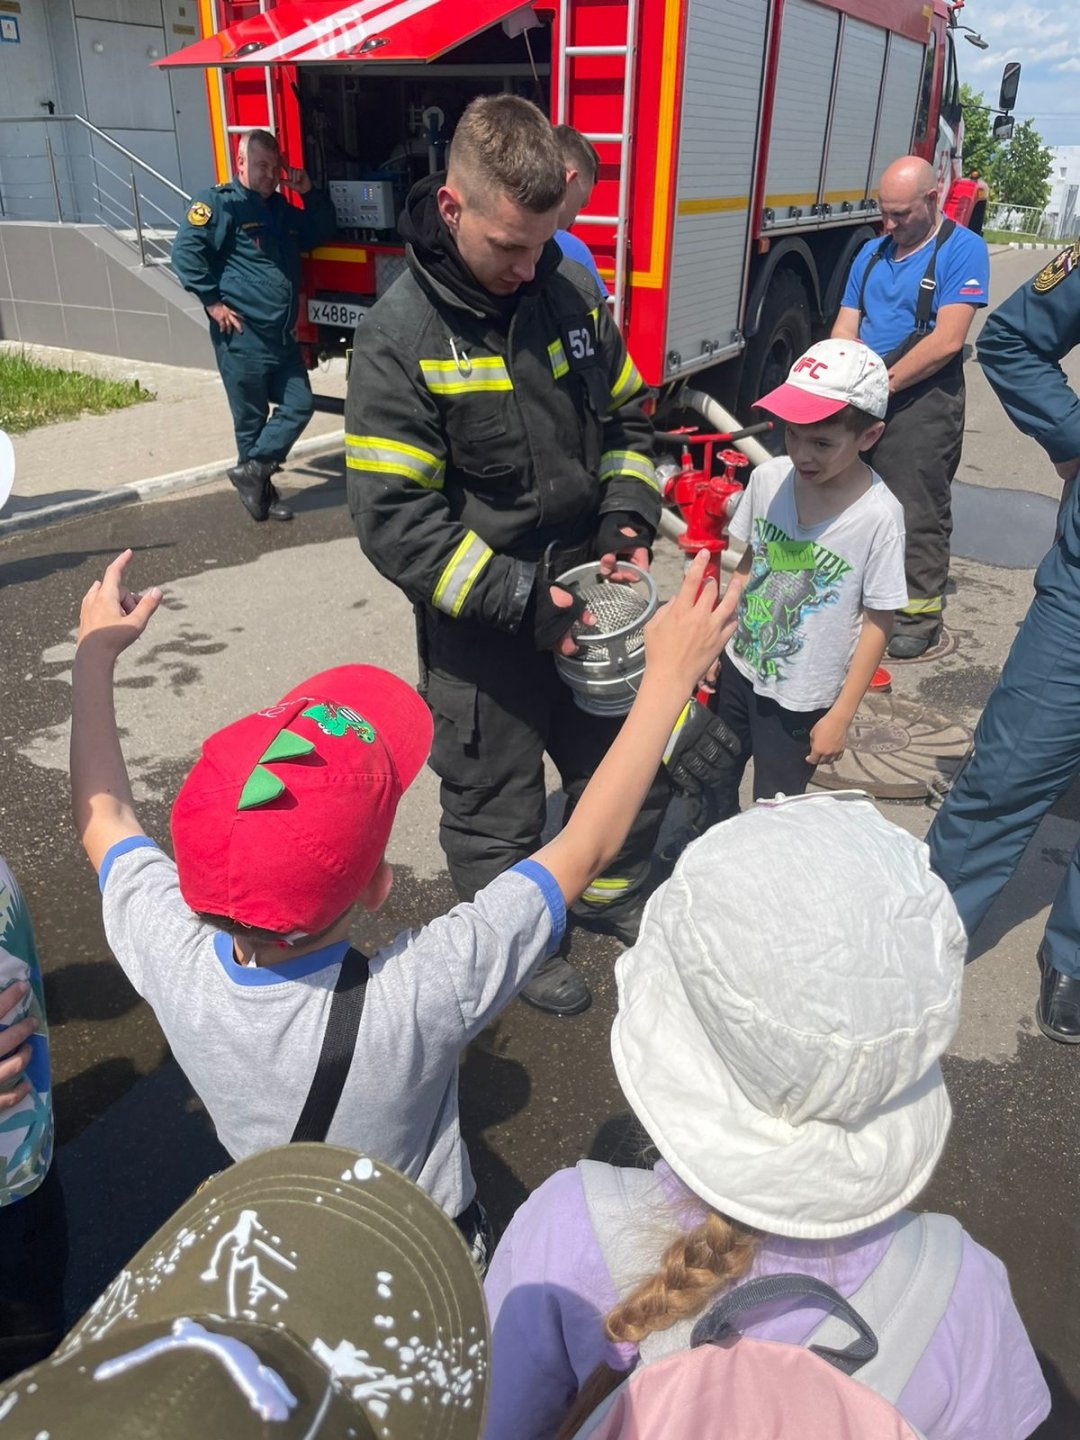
x=1044 y=35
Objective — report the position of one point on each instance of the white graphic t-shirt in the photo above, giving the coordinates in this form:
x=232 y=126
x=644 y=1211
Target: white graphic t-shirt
x=801 y=612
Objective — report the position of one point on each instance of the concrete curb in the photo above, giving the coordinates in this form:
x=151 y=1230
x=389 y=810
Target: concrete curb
x=1035 y=245
x=157 y=485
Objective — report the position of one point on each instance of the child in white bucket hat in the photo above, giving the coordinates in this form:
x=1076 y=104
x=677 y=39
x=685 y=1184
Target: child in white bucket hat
x=778 y=1035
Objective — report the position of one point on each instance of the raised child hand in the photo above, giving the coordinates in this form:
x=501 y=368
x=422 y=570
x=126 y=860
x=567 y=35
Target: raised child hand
x=114 y=616
x=686 y=635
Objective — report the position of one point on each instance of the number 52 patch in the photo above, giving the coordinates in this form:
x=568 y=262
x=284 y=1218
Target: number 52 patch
x=579 y=343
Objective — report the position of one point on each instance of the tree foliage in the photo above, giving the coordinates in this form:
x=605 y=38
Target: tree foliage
x=1018 y=171
x=1020 y=174
x=979 y=145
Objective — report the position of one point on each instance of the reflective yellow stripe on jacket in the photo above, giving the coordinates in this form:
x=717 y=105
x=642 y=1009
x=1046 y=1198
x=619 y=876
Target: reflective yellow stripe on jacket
x=931 y=606
x=460 y=572
x=629 y=465
x=391 y=457
x=604 y=889
x=684 y=715
x=557 y=355
x=453 y=377
x=627 y=385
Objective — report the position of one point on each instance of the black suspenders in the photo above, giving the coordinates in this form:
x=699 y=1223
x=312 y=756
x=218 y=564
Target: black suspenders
x=924 y=306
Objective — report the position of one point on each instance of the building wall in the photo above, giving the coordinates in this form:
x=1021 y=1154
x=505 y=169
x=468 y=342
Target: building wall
x=95 y=58
x=1064 y=202
x=78 y=287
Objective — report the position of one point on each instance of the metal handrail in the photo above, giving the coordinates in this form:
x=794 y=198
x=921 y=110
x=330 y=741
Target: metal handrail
x=93 y=129
x=115 y=199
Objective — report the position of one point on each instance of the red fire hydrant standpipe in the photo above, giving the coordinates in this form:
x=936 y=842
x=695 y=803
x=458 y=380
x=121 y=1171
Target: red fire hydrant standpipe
x=707 y=502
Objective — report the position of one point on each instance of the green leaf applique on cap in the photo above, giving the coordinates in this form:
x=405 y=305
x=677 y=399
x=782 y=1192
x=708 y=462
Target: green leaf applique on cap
x=286 y=745
x=338 y=720
x=263 y=785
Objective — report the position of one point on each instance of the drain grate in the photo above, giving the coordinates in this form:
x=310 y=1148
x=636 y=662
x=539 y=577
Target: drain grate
x=897 y=750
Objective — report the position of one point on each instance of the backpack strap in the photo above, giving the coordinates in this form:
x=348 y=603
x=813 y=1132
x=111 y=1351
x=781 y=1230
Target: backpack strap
x=338 y=1047
x=618 y=1200
x=903 y=1299
x=718 y=1322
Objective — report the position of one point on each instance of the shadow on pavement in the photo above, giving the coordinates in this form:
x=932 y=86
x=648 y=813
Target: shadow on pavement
x=39 y=567
x=123 y=1177
x=1063 y=1422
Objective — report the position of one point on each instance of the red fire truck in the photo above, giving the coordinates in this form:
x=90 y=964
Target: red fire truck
x=740 y=142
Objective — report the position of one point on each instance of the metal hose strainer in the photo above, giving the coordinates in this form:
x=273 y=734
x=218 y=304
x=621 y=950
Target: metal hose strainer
x=606 y=671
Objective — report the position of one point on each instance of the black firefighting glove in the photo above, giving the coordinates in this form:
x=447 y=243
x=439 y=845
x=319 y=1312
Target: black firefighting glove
x=545 y=620
x=610 y=539
x=702 y=749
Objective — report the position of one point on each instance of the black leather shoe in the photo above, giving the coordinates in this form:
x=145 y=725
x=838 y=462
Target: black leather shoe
x=1058 y=1012
x=909 y=647
x=557 y=989
x=278 y=509
x=251 y=479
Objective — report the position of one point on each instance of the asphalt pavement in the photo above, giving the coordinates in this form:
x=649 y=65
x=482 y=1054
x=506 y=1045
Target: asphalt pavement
x=248 y=611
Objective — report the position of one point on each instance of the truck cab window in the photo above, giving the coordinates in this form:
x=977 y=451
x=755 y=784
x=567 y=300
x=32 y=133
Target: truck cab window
x=927 y=88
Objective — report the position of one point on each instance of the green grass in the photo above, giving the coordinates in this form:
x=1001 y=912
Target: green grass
x=1004 y=237
x=33 y=394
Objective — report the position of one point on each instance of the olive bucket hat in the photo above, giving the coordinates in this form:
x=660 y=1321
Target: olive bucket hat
x=305 y=1292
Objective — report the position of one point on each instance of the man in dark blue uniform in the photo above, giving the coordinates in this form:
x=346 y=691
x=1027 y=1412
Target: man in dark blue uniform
x=1027 y=744
x=239 y=251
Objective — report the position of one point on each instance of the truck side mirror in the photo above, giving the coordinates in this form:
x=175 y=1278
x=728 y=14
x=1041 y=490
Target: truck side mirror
x=1003 y=127
x=1010 y=83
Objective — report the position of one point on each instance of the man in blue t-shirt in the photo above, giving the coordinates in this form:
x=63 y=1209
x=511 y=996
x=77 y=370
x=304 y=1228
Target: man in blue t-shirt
x=922 y=256
x=582 y=165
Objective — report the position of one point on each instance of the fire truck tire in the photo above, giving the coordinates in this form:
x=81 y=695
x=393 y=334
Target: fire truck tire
x=782 y=336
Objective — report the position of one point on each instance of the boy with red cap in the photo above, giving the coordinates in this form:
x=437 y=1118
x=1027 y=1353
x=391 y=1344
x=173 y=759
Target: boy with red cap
x=824 y=572
x=241 y=946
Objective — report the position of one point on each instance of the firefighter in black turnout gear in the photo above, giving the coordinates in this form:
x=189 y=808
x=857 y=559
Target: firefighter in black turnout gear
x=496 y=436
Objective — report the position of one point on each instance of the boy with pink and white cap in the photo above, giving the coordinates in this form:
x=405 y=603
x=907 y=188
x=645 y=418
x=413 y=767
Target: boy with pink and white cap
x=241 y=946
x=824 y=572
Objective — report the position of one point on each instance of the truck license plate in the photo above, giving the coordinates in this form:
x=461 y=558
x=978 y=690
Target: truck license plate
x=335 y=312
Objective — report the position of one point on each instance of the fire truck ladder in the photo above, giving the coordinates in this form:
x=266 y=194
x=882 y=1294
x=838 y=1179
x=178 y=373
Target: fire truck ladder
x=568 y=54
x=223 y=14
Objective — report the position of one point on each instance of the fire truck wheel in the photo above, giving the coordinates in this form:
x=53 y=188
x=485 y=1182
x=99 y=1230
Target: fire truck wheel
x=782 y=336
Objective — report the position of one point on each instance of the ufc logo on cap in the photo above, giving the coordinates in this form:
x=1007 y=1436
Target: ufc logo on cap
x=815 y=367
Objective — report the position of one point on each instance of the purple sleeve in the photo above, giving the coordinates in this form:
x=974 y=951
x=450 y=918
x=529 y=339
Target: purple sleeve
x=979 y=1378
x=547 y=1292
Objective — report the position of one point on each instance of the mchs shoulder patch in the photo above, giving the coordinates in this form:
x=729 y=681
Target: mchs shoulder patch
x=199 y=214
x=1053 y=274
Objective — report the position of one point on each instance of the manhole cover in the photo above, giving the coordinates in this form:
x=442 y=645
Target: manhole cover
x=897 y=750
x=945 y=644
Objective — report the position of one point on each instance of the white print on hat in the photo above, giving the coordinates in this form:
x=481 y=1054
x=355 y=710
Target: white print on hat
x=844 y=370
x=262 y=1387
x=245 y=1246
x=246 y=1268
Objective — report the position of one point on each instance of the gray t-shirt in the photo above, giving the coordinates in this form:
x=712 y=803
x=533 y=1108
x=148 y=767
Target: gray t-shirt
x=248 y=1037
x=800 y=615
